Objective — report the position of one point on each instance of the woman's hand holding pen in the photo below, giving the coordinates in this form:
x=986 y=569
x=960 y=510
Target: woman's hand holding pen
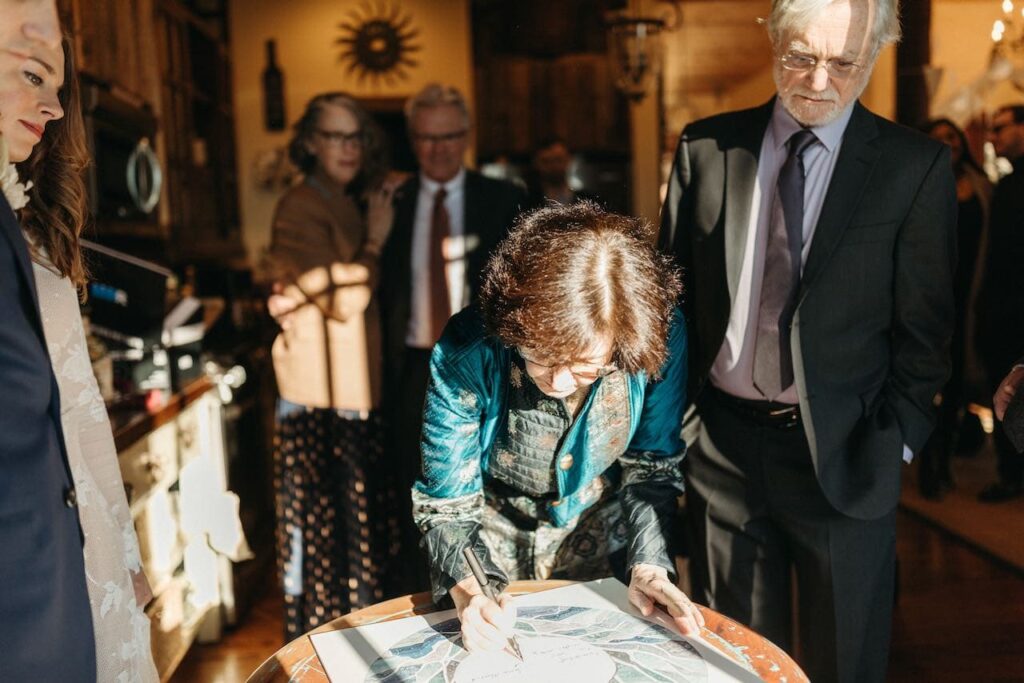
x=650 y=584
x=486 y=626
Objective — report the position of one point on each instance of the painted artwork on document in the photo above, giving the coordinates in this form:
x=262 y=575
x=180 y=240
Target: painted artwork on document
x=559 y=644
x=583 y=632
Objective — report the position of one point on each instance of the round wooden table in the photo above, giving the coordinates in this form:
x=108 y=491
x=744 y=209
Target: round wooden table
x=297 y=661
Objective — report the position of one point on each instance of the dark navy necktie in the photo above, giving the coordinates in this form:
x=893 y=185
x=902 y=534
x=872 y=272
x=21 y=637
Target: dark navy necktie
x=773 y=362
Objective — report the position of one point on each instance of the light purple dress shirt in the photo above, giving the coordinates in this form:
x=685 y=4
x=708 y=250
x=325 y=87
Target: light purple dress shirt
x=733 y=370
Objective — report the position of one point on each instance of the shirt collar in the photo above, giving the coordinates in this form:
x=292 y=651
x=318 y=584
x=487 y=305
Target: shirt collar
x=453 y=185
x=783 y=125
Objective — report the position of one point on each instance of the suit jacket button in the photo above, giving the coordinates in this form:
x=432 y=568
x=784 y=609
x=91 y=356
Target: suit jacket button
x=70 y=498
x=565 y=462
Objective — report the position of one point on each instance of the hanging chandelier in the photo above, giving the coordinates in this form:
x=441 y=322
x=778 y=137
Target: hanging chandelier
x=635 y=48
x=1008 y=32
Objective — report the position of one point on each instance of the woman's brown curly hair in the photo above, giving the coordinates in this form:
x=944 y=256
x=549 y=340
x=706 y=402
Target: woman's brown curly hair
x=58 y=206
x=375 y=158
x=567 y=275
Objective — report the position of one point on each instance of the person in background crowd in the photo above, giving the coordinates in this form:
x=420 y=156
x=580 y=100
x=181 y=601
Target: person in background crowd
x=1001 y=304
x=817 y=242
x=46 y=626
x=551 y=428
x=336 y=526
x=974 y=201
x=447 y=221
x=1008 y=388
x=549 y=175
x=501 y=168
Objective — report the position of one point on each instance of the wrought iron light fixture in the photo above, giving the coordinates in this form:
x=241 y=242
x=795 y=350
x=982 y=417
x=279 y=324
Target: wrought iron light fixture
x=635 y=47
x=1008 y=32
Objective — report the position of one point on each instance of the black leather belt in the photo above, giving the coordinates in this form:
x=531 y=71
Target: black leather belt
x=769 y=413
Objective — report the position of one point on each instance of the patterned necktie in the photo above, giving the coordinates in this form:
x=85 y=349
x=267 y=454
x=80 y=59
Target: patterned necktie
x=440 y=231
x=773 y=361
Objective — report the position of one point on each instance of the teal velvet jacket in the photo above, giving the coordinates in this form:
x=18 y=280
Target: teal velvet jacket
x=465 y=407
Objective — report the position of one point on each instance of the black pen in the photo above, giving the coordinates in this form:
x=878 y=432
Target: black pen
x=488 y=590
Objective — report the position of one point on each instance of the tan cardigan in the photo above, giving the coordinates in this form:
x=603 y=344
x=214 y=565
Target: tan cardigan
x=329 y=357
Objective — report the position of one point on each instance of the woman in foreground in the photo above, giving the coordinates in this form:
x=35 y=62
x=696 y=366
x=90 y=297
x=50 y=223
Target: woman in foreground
x=551 y=426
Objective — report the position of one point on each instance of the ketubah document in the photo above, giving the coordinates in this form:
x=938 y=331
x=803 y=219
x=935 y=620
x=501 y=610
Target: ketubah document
x=584 y=632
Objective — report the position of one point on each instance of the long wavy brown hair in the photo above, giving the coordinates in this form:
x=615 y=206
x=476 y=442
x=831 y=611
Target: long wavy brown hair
x=58 y=207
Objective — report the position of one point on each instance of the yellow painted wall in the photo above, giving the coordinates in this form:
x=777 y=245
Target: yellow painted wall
x=305 y=31
x=880 y=95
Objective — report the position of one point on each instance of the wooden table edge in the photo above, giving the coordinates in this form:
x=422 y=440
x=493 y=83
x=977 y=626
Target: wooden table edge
x=769 y=661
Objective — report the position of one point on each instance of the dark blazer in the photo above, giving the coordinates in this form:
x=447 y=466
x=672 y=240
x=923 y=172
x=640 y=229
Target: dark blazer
x=871 y=333
x=46 y=631
x=491 y=207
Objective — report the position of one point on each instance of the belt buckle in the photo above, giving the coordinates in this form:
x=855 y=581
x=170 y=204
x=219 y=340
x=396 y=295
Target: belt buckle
x=785 y=418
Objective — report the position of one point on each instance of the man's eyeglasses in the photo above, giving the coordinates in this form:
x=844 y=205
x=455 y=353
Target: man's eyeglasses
x=440 y=138
x=803 y=63
x=580 y=370
x=337 y=138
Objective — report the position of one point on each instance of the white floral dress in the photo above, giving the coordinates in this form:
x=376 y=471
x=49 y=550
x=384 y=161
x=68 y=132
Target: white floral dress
x=111 y=550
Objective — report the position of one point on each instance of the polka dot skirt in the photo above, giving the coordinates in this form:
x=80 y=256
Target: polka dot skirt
x=336 y=525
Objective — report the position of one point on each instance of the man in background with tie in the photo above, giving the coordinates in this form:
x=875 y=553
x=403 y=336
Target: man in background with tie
x=817 y=242
x=448 y=219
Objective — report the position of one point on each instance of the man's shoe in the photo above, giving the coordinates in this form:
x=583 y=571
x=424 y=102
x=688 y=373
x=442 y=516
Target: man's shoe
x=999 y=492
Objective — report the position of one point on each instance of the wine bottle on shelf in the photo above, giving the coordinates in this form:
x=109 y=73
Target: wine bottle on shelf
x=273 y=91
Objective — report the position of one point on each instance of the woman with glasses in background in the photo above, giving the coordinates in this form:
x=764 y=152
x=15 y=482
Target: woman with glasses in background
x=335 y=528
x=551 y=439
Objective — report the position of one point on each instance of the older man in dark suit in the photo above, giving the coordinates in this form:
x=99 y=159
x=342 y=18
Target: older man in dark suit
x=46 y=631
x=447 y=221
x=818 y=246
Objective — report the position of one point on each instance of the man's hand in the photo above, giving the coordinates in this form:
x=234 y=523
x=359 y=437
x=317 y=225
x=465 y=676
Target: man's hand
x=650 y=584
x=1007 y=390
x=486 y=626
x=380 y=214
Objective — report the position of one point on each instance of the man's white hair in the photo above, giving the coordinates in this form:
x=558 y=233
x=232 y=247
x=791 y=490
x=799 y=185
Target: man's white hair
x=793 y=16
x=436 y=95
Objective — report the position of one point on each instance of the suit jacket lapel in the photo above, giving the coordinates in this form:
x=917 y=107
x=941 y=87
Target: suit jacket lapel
x=741 y=175
x=474 y=218
x=857 y=158
x=401 y=237
x=12 y=232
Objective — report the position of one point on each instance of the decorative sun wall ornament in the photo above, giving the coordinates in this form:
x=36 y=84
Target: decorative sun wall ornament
x=377 y=42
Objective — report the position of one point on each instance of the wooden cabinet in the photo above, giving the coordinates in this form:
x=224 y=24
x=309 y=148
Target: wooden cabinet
x=523 y=100
x=199 y=135
x=162 y=54
x=553 y=80
x=110 y=42
x=175 y=474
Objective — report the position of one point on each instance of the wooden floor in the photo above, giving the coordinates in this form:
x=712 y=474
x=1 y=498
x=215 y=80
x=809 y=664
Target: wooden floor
x=996 y=529
x=960 y=617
